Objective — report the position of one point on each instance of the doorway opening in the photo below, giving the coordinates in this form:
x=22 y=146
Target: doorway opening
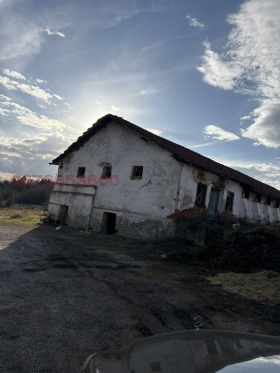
x=62 y=216
x=109 y=223
x=214 y=202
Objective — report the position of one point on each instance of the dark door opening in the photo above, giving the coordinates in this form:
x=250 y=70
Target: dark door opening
x=62 y=215
x=214 y=202
x=109 y=223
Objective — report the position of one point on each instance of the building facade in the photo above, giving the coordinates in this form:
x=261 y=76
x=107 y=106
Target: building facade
x=119 y=178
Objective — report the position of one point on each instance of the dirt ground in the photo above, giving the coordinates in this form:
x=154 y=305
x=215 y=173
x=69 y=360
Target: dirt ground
x=66 y=294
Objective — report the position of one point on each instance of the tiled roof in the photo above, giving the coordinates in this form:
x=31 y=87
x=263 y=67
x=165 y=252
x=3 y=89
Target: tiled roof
x=179 y=152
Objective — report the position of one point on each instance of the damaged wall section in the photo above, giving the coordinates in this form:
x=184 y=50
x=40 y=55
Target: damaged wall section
x=131 y=225
x=79 y=201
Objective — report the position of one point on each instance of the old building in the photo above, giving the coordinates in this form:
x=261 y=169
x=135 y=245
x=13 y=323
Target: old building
x=118 y=177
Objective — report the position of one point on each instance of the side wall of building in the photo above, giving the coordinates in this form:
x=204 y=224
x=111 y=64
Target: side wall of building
x=143 y=203
x=243 y=207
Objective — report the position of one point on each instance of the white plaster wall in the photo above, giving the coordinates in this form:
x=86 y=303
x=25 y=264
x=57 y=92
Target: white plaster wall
x=249 y=209
x=187 y=188
x=166 y=184
x=276 y=215
x=79 y=208
x=136 y=225
x=53 y=210
x=242 y=208
x=235 y=188
x=154 y=194
x=255 y=211
x=76 y=189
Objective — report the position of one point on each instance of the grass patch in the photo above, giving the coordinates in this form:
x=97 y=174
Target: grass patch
x=26 y=215
x=260 y=286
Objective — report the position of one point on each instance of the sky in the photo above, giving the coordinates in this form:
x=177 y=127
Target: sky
x=204 y=74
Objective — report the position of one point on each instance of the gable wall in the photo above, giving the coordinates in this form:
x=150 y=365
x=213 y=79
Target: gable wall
x=152 y=195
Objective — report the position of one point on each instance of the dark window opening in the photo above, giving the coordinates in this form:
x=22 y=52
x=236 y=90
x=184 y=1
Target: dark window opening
x=200 y=195
x=107 y=171
x=109 y=223
x=245 y=194
x=257 y=198
x=137 y=172
x=277 y=204
x=229 y=201
x=267 y=201
x=60 y=167
x=81 y=171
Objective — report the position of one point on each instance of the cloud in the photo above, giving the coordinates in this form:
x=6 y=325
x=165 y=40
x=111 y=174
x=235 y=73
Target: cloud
x=8 y=83
x=115 y=108
x=245 y=117
x=35 y=91
x=218 y=133
x=19 y=155
x=55 y=32
x=268 y=173
x=202 y=145
x=249 y=64
x=111 y=13
x=68 y=105
x=154 y=131
x=19 y=37
x=25 y=116
x=265 y=129
x=30 y=89
x=5 y=175
x=41 y=81
x=97 y=102
x=194 y=22
x=150 y=91
x=58 y=97
x=40 y=121
x=218 y=72
x=14 y=74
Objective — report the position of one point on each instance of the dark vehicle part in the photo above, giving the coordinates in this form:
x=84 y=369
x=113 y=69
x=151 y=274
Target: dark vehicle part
x=192 y=351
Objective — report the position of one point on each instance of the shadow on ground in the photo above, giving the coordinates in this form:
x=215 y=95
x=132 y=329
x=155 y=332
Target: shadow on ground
x=66 y=294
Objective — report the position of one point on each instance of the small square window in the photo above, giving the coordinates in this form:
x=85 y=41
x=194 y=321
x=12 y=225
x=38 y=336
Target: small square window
x=200 y=195
x=257 y=198
x=245 y=193
x=267 y=201
x=81 y=171
x=277 y=204
x=229 y=201
x=137 y=172
x=107 y=172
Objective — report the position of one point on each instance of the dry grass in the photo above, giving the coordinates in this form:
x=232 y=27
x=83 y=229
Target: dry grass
x=26 y=215
x=260 y=286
